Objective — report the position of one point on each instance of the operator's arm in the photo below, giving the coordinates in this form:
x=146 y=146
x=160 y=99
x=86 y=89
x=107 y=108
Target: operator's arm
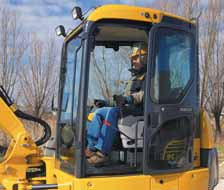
x=133 y=99
x=137 y=97
x=136 y=94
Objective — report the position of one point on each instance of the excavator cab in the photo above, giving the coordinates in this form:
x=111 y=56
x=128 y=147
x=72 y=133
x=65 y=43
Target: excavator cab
x=166 y=137
x=96 y=64
x=168 y=145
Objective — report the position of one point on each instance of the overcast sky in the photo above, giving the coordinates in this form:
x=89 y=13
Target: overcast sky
x=43 y=16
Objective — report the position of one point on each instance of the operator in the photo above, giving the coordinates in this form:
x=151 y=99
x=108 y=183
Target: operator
x=103 y=127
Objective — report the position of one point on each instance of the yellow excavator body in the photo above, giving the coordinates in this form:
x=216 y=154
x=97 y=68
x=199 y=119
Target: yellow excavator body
x=25 y=167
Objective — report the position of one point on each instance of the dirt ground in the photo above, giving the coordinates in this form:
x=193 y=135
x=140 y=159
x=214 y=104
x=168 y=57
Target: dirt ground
x=220 y=186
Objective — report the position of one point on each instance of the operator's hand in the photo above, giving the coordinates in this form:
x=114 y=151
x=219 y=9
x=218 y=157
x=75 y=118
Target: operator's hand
x=99 y=103
x=120 y=100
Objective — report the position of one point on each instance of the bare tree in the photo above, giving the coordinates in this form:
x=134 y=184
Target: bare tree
x=167 y=5
x=101 y=75
x=12 y=48
x=108 y=73
x=190 y=8
x=215 y=94
x=209 y=30
x=38 y=77
x=185 y=8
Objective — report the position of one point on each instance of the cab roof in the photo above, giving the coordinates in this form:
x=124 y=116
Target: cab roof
x=127 y=12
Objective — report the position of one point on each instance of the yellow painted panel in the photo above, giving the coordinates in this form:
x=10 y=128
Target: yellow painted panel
x=50 y=165
x=194 y=180
x=190 y=180
x=196 y=152
x=165 y=182
x=118 y=183
x=125 y=12
x=9 y=123
x=129 y=13
x=207 y=135
x=65 y=181
x=127 y=182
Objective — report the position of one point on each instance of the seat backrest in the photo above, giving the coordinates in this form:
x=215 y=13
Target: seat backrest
x=129 y=125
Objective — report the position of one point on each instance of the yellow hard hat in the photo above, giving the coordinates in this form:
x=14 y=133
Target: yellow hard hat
x=137 y=51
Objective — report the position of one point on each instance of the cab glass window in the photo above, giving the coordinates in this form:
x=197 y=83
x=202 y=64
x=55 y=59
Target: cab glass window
x=171 y=146
x=67 y=127
x=72 y=70
x=172 y=69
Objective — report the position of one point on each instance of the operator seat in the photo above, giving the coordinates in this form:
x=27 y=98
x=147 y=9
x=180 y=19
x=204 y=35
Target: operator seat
x=132 y=126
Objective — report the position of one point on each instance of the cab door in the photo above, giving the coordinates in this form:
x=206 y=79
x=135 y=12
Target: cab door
x=171 y=99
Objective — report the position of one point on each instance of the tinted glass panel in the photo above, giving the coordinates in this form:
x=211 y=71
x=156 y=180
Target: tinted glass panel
x=173 y=65
x=72 y=74
x=171 y=146
x=67 y=123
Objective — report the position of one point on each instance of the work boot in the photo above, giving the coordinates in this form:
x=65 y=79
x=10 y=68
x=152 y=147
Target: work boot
x=89 y=153
x=97 y=159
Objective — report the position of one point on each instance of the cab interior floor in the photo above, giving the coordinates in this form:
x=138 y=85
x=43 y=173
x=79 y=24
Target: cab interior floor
x=111 y=167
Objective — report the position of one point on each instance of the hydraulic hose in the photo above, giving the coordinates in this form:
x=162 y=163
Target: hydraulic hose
x=22 y=115
x=47 y=129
